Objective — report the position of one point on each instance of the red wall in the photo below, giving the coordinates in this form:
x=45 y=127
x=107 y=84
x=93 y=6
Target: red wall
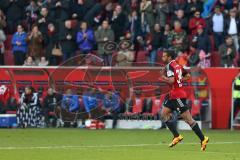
x=219 y=79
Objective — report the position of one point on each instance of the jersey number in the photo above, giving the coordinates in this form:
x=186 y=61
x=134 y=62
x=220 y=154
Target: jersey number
x=180 y=77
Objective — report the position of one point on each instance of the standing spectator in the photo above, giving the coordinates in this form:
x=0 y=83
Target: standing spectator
x=52 y=40
x=14 y=14
x=177 y=38
x=218 y=27
x=3 y=22
x=2 y=48
x=28 y=113
x=196 y=21
x=78 y=9
x=44 y=20
x=103 y=35
x=67 y=40
x=162 y=10
x=29 y=62
x=193 y=6
x=167 y=30
x=147 y=17
x=35 y=43
x=85 y=39
x=227 y=51
x=202 y=41
x=134 y=25
x=232 y=27
x=179 y=16
x=118 y=23
x=93 y=14
x=19 y=45
x=31 y=12
x=156 y=43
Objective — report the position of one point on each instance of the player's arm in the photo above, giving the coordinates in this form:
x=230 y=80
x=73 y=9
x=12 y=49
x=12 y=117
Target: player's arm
x=164 y=78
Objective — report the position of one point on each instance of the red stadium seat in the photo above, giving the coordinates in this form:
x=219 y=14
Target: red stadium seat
x=8 y=57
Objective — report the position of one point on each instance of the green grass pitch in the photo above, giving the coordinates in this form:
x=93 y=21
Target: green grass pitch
x=79 y=144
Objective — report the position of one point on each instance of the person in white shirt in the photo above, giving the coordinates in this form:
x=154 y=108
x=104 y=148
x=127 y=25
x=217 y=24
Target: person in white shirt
x=218 y=27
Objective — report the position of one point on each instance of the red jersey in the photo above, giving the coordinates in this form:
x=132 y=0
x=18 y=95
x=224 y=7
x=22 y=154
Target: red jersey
x=4 y=94
x=177 y=71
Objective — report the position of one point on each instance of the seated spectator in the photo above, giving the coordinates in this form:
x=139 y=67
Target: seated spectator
x=89 y=101
x=2 y=47
x=29 y=113
x=195 y=21
x=19 y=46
x=125 y=56
x=193 y=58
x=111 y=104
x=103 y=35
x=50 y=102
x=70 y=101
x=227 y=52
x=177 y=38
x=147 y=17
x=35 y=44
x=204 y=60
x=43 y=62
x=202 y=41
x=67 y=37
x=85 y=39
x=29 y=62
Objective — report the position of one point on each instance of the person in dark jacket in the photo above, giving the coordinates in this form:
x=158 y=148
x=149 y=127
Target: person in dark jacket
x=202 y=41
x=19 y=45
x=85 y=39
x=44 y=20
x=193 y=6
x=78 y=9
x=67 y=40
x=181 y=18
x=93 y=13
x=117 y=22
x=156 y=43
x=134 y=25
x=227 y=51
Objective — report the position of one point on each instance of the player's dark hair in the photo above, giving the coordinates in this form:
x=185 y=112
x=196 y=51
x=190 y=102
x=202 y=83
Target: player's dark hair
x=170 y=53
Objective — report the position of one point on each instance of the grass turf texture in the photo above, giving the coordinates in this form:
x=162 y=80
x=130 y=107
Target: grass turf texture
x=78 y=144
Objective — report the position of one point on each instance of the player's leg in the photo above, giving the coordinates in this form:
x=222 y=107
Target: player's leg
x=187 y=117
x=171 y=121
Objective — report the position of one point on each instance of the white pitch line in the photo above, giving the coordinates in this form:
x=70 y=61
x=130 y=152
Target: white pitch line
x=105 y=146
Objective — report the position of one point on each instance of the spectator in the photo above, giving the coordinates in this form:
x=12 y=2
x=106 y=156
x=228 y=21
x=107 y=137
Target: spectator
x=52 y=41
x=179 y=16
x=103 y=35
x=28 y=113
x=43 y=62
x=13 y=19
x=167 y=30
x=3 y=22
x=2 y=47
x=227 y=51
x=50 y=103
x=195 y=21
x=29 y=62
x=193 y=59
x=35 y=44
x=44 y=20
x=156 y=43
x=134 y=25
x=89 y=101
x=204 y=60
x=177 y=38
x=162 y=11
x=93 y=15
x=218 y=27
x=125 y=56
x=67 y=40
x=147 y=18
x=32 y=13
x=232 y=26
x=78 y=9
x=19 y=45
x=85 y=39
x=202 y=41
x=118 y=24
x=193 y=6
x=111 y=104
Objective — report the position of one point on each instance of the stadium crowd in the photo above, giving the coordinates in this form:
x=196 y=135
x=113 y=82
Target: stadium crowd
x=48 y=32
